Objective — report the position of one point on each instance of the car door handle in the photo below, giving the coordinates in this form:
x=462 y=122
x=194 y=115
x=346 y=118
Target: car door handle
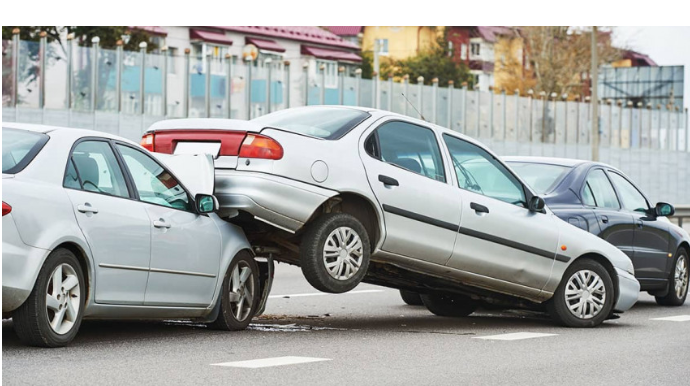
x=87 y=208
x=479 y=208
x=604 y=219
x=388 y=180
x=640 y=224
x=160 y=223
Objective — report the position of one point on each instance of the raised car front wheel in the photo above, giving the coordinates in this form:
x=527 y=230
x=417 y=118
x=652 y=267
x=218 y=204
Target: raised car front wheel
x=240 y=294
x=449 y=305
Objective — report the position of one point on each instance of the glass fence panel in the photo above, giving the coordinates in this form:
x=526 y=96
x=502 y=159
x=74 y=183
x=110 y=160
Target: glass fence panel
x=366 y=88
x=28 y=73
x=525 y=119
x=82 y=85
x=7 y=73
x=511 y=118
x=384 y=102
x=153 y=84
x=350 y=92
x=538 y=105
x=106 y=90
x=259 y=91
x=176 y=86
x=131 y=82
x=485 y=114
x=238 y=95
x=56 y=76
x=560 y=120
x=472 y=108
x=441 y=112
x=398 y=104
x=197 y=87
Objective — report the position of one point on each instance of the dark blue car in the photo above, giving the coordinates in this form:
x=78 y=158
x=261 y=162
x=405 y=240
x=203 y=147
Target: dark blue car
x=602 y=200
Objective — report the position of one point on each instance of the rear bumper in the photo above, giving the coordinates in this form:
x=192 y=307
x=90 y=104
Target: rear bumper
x=279 y=201
x=629 y=290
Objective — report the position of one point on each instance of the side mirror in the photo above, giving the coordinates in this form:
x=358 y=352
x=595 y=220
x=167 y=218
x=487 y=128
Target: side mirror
x=206 y=203
x=663 y=209
x=536 y=204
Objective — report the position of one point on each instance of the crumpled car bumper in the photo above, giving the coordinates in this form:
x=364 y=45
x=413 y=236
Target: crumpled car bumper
x=629 y=291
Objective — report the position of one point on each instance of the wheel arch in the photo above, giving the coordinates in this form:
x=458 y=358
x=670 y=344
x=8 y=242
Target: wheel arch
x=606 y=263
x=84 y=264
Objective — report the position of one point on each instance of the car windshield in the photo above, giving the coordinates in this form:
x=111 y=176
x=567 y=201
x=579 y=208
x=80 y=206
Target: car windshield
x=19 y=147
x=542 y=178
x=321 y=122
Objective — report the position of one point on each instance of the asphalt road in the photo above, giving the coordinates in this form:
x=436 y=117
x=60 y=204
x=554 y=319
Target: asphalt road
x=365 y=337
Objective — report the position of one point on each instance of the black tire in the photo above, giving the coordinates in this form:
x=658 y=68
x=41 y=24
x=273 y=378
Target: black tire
x=450 y=305
x=31 y=319
x=312 y=253
x=411 y=298
x=557 y=306
x=227 y=316
x=672 y=299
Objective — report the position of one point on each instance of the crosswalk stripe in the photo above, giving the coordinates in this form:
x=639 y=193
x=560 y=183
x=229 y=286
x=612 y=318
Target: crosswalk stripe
x=270 y=362
x=679 y=318
x=515 y=336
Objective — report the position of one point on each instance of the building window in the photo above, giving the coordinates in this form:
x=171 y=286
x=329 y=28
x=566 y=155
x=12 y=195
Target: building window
x=330 y=70
x=383 y=46
x=474 y=49
x=463 y=52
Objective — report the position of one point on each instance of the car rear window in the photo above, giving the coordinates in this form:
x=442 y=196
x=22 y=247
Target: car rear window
x=542 y=178
x=19 y=147
x=322 y=122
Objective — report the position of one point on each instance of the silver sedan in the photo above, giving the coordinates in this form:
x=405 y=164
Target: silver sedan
x=354 y=194
x=93 y=226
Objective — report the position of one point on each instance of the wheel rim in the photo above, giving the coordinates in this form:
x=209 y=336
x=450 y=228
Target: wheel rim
x=63 y=299
x=242 y=289
x=343 y=253
x=681 y=276
x=585 y=294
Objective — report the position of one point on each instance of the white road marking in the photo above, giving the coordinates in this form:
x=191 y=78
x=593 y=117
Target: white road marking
x=322 y=294
x=515 y=336
x=270 y=362
x=679 y=318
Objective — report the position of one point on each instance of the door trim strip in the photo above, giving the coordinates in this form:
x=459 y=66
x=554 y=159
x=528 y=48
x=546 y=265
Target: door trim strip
x=420 y=218
x=157 y=270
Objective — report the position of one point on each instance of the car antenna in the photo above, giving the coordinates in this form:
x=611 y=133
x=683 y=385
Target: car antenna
x=415 y=109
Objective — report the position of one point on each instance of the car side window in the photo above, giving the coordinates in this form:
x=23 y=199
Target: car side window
x=631 y=198
x=588 y=196
x=601 y=189
x=94 y=168
x=409 y=146
x=479 y=172
x=153 y=183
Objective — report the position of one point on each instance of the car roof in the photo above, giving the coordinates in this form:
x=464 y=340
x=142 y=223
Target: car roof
x=68 y=131
x=568 y=162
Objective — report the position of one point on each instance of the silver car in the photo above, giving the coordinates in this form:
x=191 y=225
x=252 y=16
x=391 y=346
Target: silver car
x=94 y=227
x=354 y=194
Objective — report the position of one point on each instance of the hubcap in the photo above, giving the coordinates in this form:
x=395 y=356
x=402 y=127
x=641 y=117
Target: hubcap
x=62 y=299
x=681 y=276
x=585 y=294
x=343 y=253
x=241 y=291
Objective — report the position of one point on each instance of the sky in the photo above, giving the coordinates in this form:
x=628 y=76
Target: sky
x=667 y=46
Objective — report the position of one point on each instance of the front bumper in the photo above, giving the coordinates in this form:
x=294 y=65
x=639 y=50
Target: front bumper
x=628 y=291
x=279 y=201
x=20 y=266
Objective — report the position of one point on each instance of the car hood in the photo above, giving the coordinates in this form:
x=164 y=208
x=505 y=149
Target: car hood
x=195 y=171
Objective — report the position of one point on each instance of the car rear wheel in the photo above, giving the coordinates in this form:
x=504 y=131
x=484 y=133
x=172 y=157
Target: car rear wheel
x=240 y=294
x=584 y=297
x=334 y=253
x=449 y=305
x=411 y=298
x=52 y=314
x=678 y=281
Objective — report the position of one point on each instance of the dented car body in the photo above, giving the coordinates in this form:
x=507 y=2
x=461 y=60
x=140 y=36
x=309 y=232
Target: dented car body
x=341 y=190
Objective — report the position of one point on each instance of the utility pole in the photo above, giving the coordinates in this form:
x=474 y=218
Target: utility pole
x=594 y=76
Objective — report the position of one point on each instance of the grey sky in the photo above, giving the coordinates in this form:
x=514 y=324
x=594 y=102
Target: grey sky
x=665 y=45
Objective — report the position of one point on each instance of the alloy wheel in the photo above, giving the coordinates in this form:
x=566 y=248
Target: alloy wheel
x=343 y=253
x=63 y=299
x=585 y=294
x=242 y=291
x=681 y=276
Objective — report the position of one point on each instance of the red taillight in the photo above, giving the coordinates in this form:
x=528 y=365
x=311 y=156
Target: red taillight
x=259 y=146
x=147 y=142
x=6 y=209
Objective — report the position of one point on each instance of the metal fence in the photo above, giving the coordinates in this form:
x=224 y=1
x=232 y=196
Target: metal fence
x=123 y=92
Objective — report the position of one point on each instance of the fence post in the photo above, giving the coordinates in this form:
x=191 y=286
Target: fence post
x=94 y=72
x=142 y=78
x=434 y=100
x=341 y=85
x=269 y=78
x=305 y=70
x=374 y=90
x=678 y=119
x=554 y=96
x=118 y=75
x=207 y=85
x=185 y=98
x=406 y=88
x=164 y=82
x=15 y=70
x=322 y=91
x=464 y=108
x=451 y=86
x=668 y=127
x=228 y=86
x=650 y=142
x=42 y=71
x=390 y=92
x=565 y=118
x=530 y=95
x=249 y=63
x=70 y=38
x=517 y=115
x=639 y=126
x=286 y=65
x=479 y=110
x=687 y=132
x=504 y=114
x=358 y=79
x=420 y=91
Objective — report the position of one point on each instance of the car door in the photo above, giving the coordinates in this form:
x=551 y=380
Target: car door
x=615 y=224
x=651 y=243
x=185 y=246
x=406 y=172
x=498 y=237
x=115 y=225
